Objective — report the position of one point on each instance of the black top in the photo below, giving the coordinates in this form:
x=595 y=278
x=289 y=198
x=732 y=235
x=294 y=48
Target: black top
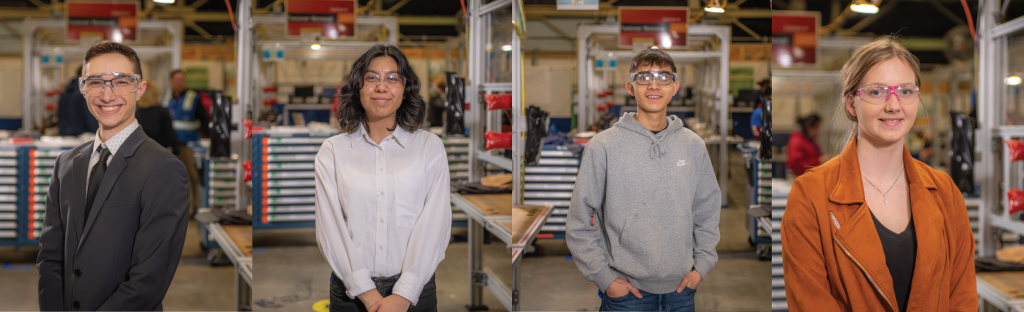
x=656 y=132
x=157 y=123
x=900 y=254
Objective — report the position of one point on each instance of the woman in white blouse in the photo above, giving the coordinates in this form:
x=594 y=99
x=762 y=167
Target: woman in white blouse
x=383 y=207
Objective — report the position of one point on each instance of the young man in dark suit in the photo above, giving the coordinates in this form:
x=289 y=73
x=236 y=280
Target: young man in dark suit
x=117 y=207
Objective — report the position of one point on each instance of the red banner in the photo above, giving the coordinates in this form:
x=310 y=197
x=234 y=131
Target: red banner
x=795 y=38
x=112 y=20
x=664 y=27
x=328 y=18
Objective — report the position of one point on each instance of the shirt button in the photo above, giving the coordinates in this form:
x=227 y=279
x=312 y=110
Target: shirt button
x=381 y=193
x=381 y=247
x=381 y=220
x=381 y=169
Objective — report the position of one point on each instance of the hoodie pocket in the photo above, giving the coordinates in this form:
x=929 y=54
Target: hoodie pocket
x=655 y=248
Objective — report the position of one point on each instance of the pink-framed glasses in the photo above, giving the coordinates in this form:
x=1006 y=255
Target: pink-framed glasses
x=879 y=94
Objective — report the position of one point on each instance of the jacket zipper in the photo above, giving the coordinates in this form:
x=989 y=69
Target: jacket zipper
x=871 y=280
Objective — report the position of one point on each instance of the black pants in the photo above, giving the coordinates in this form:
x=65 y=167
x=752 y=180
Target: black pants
x=340 y=302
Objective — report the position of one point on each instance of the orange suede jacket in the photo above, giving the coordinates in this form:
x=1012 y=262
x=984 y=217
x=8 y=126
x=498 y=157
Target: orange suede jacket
x=833 y=258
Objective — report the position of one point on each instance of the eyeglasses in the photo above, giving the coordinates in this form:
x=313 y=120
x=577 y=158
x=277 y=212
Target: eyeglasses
x=121 y=84
x=646 y=77
x=879 y=94
x=392 y=80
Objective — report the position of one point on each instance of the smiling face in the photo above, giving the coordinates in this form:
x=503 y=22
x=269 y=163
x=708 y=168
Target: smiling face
x=652 y=98
x=885 y=122
x=113 y=111
x=381 y=100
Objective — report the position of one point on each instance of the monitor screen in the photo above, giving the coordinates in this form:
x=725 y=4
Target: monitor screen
x=304 y=91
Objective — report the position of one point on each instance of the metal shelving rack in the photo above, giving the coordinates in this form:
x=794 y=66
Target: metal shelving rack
x=551 y=182
x=283 y=179
x=39 y=162
x=996 y=173
x=220 y=181
x=13 y=219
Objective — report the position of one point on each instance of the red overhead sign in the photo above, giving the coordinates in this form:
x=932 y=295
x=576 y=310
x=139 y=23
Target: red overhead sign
x=795 y=38
x=327 y=18
x=111 y=20
x=664 y=27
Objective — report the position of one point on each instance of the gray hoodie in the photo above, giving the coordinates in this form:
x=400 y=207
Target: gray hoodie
x=645 y=207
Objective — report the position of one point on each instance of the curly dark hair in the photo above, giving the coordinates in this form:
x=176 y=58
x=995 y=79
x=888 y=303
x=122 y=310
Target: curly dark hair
x=350 y=109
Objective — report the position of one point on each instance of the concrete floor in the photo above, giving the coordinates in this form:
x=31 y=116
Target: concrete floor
x=293 y=276
x=739 y=282
x=197 y=286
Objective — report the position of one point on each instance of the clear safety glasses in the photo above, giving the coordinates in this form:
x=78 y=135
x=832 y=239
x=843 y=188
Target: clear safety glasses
x=648 y=76
x=879 y=94
x=121 y=84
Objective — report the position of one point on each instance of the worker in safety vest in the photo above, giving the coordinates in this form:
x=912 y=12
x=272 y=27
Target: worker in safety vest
x=189 y=115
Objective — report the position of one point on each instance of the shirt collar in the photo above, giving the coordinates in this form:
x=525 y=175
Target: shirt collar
x=400 y=136
x=114 y=142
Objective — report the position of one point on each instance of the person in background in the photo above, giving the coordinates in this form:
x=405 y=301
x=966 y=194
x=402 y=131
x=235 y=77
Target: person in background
x=803 y=152
x=73 y=117
x=156 y=120
x=189 y=117
x=755 y=118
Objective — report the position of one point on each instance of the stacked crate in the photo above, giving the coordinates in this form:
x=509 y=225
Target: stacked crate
x=220 y=182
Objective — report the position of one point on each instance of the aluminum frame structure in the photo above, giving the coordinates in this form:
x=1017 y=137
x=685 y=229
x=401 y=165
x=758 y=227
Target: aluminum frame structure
x=248 y=65
x=31 y=58
x=994 y=173
x=994 y=57
x=717 y=90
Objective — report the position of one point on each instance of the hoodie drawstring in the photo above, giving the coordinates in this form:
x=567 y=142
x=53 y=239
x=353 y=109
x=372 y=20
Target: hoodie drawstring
x=656 y=150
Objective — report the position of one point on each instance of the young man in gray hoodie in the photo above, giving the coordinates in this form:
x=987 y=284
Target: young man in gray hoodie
x=643 y=221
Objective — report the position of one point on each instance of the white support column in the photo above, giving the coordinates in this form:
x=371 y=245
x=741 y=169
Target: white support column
x=243 y=94
x=987 y=173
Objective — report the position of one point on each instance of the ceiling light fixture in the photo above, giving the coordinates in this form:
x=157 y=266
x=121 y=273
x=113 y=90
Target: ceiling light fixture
x=715 y=6
x=164 y=1
x=315 y=46
x=1013 y=80
x=865 y=6
x=506 y=48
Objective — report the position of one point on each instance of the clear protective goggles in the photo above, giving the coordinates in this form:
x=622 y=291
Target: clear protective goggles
x=392 y=80
x=121 y=84
x=648 y=76
x=878 y=94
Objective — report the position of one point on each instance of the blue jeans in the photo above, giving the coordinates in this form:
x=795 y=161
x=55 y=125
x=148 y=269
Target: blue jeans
x=676 y=302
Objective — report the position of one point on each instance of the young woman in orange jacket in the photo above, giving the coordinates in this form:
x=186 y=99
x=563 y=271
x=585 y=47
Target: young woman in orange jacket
x=873 y=229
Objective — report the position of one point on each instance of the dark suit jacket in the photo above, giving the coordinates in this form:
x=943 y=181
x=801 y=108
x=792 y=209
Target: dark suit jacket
x=124 y=257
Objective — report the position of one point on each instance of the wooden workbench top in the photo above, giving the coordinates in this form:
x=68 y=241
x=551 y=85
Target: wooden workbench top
x=492 y=204
x=241 y=235
x=1009 y=283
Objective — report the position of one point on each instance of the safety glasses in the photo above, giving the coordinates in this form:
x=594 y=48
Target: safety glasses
x=121 y=84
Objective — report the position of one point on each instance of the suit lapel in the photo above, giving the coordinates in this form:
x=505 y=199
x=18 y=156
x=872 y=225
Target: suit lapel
x=117 y=165
x=79 y=170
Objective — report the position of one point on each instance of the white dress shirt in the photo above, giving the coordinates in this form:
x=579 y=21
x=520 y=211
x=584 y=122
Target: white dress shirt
x=112 y=144
x=383 y=209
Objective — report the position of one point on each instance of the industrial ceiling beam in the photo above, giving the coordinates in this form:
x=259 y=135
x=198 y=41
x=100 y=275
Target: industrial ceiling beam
x=395 y=7
x=950 y=15
x=202 y=32
x=6 y=26
x=536 y=11
x=554 y=27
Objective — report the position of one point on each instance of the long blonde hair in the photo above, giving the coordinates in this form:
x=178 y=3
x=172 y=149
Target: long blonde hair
x=853 y=72
x=151 y=97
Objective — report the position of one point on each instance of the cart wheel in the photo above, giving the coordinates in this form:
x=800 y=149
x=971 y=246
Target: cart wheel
x=764 y=251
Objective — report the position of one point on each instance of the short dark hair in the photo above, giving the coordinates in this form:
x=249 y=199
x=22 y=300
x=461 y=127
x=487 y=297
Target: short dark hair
x=350 y=109
x=176 y=71
x=105 y=47
x=808 y=122
x=652 y=57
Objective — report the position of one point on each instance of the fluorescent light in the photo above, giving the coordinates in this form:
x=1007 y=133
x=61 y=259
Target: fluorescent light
x=315 y=46
x=507 y=47
x=1012 y=80
x=864 y=8
x=164 y=1
x=654 y=47
x=714 y=10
